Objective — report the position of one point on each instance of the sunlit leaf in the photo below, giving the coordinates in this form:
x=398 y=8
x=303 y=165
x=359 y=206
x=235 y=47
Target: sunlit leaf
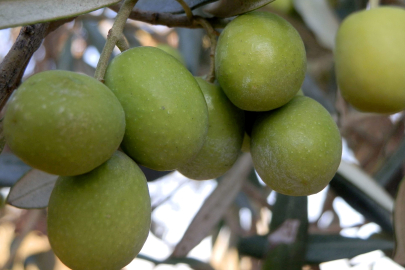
x=214 y=206
x=22 y=12
x=399 y=221
x=32 y=190
x=229 y=8
x=171 y=6
x=320 y=18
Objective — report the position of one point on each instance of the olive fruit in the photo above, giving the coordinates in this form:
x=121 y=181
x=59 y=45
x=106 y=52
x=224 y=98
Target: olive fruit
x=165 y=110
x=370 y=63
x=260 y=61
x=101 y=219
x=297 y=148
x=63 y=123
x=224 y=138
x=172 y=51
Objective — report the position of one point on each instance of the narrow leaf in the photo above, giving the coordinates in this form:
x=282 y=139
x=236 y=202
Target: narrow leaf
x=171 y=6
x=367 y=184
x=11 y=169
x=2 y=138
x=320 y=248
x=214 y=206
x=292 y=212
x=193 y=263
x=32 y=190
x=43 y=260
x=320 y=18
x=399 y=221
x=22 y=12
x=387 y=172
x=229 y=8
x=361 y=202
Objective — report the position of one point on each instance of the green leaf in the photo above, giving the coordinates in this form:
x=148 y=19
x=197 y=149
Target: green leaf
x=320 y=18
x=65 y=60
x=214 y=206
x=43 y=260
x=171 y=6
x=2 y=138
x=11 y=169
x=399 y=221
x=288 y=256
x=322 y=248
x=367 y=184
x=193 y=263
x=364 y=194
x=229 y=8
x=33 y=190
x=387 y=172
x=362 y=203
x=22 y=12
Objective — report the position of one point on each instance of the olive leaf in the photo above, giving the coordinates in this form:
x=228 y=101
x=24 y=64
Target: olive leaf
x=193 y=263
x=399 y=219
x=368 y=185
x=214 y=206
x=171 y=6
x=32 y=190
x=22 y=12
x=289 y=233
x=321 y=19
x=386 y=174
x=229 y=8
x=320 y=247
x=2 y=138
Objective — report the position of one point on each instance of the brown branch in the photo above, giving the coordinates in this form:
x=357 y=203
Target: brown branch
x=171 y=20
x=13 y=66
x=15 y=62
x=32 y=219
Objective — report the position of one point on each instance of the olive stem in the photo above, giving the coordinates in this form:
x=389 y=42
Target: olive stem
x=171 y=20
x=212 y=34
x=122 y=43
x=374 y=3
x=187 y=9
x=113 y=37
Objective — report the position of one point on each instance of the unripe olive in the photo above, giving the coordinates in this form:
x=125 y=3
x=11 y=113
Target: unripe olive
x=370 y=61
x=260 y=61
x=224 y=138
x=64 y=123
x=297 y=148
x=100 y=220
x=165 y=110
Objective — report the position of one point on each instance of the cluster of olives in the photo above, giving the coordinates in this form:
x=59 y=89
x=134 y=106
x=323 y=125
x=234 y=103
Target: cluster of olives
x=260 y=64
x=163 y=118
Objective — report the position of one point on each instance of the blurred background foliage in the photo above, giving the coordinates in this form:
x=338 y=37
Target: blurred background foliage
x=252 y=228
